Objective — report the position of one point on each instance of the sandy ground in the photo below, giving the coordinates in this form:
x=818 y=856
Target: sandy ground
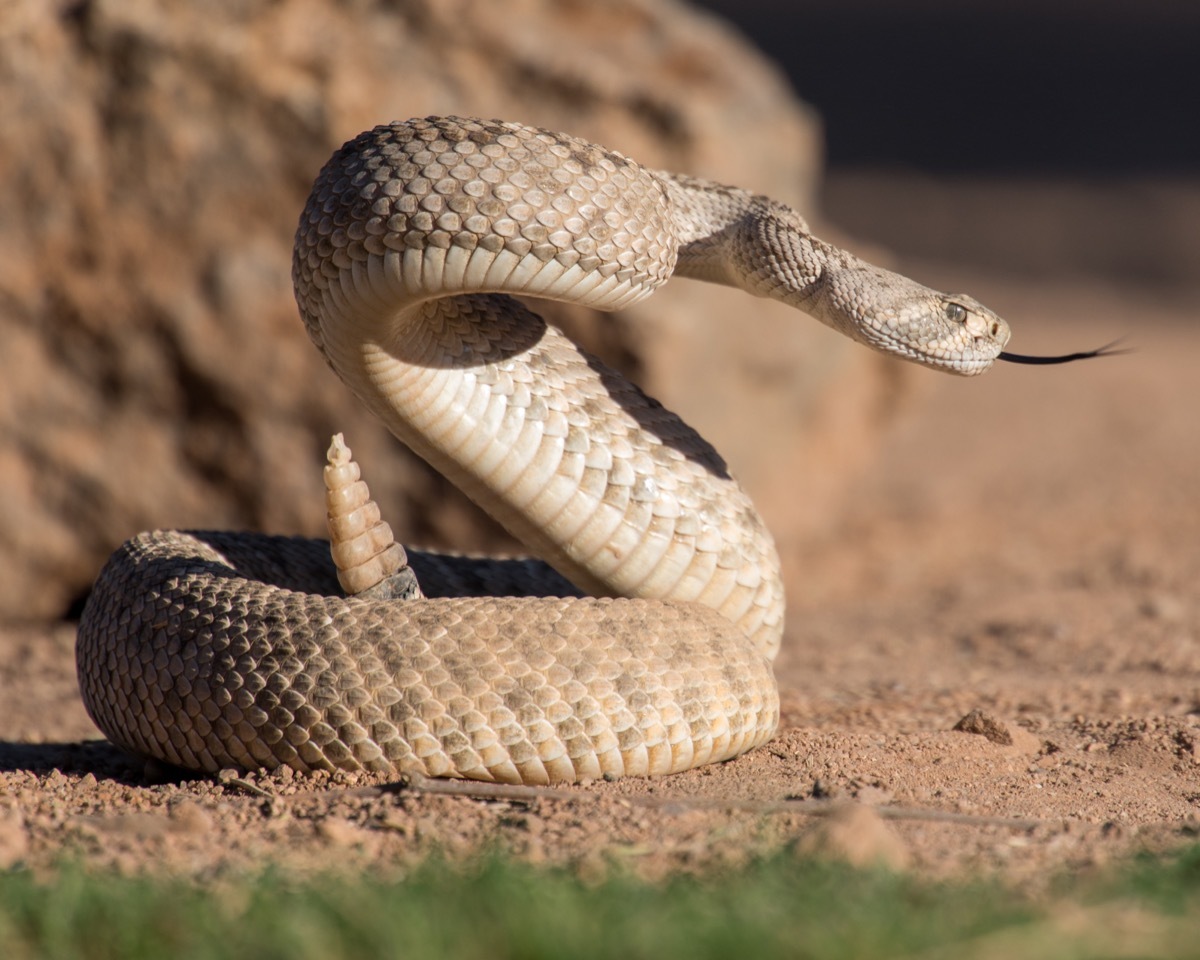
x=1026 y=544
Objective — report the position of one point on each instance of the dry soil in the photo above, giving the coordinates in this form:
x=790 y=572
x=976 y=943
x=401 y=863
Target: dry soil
x=1023 y=552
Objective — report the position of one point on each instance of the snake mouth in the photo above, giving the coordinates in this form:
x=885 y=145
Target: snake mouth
x=947 y=360
x=961 y=366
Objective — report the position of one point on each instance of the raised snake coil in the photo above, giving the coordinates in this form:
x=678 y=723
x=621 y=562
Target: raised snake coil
x=218 y=650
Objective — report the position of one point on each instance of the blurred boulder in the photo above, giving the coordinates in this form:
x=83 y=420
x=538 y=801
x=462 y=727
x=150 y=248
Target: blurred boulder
x=153 y=162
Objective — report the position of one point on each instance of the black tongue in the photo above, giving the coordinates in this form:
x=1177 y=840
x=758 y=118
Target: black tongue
x=1108 y=350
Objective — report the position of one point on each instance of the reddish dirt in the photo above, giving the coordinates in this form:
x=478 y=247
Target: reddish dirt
x=1025 y=545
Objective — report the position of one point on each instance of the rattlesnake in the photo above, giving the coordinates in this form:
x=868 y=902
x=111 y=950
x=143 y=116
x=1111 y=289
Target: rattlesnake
x=211 y=650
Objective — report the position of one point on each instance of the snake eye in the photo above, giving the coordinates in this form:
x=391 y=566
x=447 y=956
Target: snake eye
x=956 y=312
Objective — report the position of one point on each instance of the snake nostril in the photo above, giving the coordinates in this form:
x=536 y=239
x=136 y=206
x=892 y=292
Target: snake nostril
x=995 y=328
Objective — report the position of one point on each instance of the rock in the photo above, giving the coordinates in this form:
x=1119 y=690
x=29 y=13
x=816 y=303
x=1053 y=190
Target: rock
x=14 y=840
x=854 y=834
x=998 y=732
x=985 y=725
x=188 y=817
x=155 y=161
x=1165 y=607
x=338 y=832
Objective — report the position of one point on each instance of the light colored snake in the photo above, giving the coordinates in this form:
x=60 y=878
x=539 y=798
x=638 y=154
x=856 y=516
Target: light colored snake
x=211 y=650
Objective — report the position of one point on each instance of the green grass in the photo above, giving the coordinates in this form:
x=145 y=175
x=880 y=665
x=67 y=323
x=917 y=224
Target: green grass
x=495 y=908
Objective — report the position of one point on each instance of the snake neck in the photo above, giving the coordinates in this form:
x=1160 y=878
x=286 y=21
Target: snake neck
x=756 y=244
x=765 y=248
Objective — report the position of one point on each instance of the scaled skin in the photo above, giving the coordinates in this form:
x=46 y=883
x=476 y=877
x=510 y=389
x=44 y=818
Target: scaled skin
x=236 y=650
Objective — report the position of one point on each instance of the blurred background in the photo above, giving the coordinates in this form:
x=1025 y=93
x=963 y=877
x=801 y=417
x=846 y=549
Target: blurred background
x=154 y=157
x=1026 y=542
x=1046 y=139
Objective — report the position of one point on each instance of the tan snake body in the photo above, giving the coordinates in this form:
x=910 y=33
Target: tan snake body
x=237 y=650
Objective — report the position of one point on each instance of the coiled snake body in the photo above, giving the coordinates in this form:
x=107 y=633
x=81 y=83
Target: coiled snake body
x=237 y=650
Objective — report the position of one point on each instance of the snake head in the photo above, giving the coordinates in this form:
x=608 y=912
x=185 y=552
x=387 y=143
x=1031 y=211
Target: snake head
x=898 y=316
